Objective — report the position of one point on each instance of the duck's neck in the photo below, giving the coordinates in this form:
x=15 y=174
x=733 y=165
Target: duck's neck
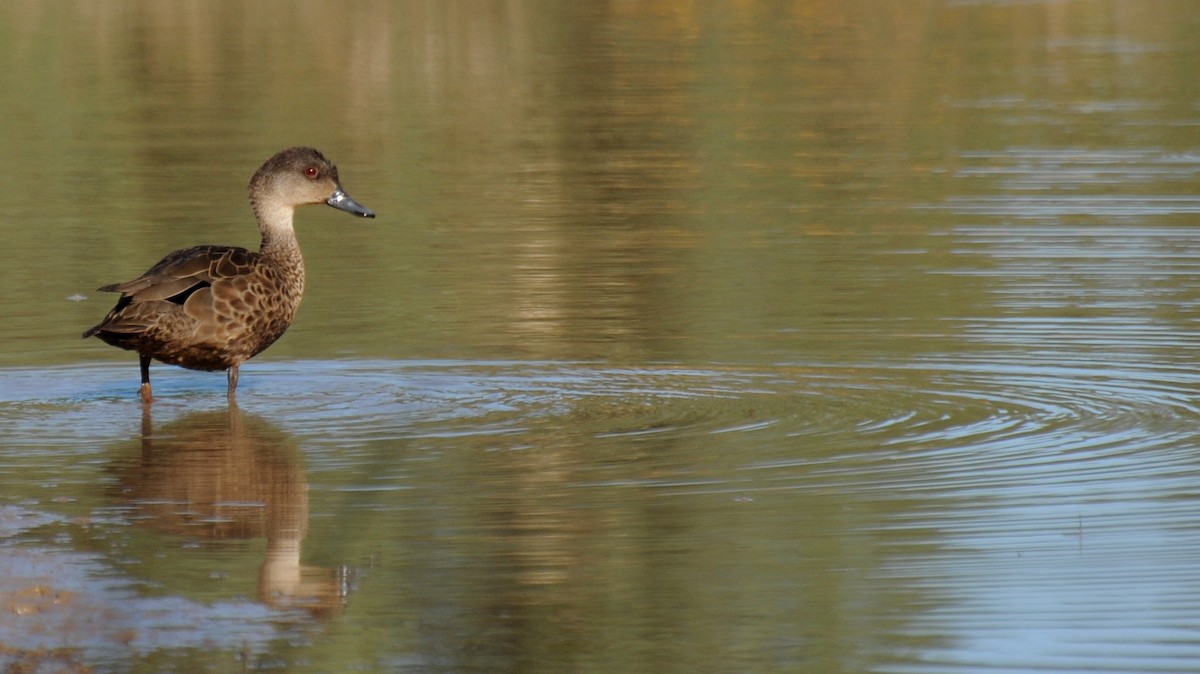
x=278 y=236
x=281 y=251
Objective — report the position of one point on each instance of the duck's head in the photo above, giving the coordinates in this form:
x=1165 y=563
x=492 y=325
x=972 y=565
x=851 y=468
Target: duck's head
x=299 y=176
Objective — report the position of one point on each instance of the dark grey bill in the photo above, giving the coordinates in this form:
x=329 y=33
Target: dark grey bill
x=342 y=201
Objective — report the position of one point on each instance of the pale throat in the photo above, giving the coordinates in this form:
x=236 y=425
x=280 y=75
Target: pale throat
x=275 y=225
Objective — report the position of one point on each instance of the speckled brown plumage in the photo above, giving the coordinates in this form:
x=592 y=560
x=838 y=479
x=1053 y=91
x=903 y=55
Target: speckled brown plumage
x=215 y=307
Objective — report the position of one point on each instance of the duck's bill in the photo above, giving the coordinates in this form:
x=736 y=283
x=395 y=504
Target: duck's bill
x=342 y=201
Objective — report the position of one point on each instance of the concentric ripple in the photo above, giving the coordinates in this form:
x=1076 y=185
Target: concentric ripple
x=1006 y=411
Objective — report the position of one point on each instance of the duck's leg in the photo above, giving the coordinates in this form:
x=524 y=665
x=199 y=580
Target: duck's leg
x=233 y=376
x=144 y=389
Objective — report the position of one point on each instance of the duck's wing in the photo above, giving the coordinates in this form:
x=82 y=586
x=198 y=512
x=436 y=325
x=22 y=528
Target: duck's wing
x=171 y=281
x=185 y=269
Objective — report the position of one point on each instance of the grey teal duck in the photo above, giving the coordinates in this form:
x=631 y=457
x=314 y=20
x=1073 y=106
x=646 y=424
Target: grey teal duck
x=215 y=307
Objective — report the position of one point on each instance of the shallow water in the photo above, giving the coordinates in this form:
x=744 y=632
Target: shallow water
x=821 y=337
x=471 y=515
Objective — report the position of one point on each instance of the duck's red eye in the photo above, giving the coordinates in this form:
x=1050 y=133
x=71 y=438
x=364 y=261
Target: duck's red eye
x=311 y=171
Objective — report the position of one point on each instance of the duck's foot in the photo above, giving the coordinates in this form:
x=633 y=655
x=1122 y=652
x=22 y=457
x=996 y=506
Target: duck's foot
x=144 y=365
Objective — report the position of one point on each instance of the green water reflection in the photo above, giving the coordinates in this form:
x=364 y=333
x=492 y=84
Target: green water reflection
x=707 y=181
x=691 y=337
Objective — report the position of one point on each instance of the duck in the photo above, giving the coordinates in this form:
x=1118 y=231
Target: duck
x=213 y=307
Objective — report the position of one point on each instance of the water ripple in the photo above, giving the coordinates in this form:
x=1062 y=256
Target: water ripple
x=989 y=402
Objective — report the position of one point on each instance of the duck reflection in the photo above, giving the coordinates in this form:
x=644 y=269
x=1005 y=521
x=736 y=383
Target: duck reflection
x=222 y=475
